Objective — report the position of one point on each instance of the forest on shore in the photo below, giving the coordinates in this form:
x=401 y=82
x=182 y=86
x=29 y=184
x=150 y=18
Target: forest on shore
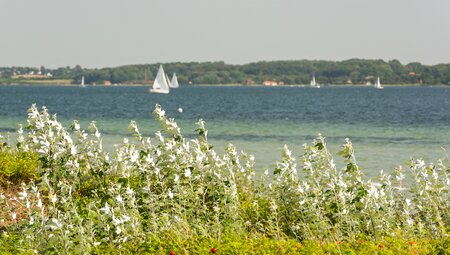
x=352 y=71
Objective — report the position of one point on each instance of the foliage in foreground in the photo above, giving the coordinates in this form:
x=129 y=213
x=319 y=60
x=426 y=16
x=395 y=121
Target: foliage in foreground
x=171 y=194
x=238 y=244
x=17 y=167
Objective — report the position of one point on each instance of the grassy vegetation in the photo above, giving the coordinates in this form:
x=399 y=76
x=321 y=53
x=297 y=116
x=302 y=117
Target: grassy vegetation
x=170 y=195
x=36 y=81
x=17 y=167
x=238 y=244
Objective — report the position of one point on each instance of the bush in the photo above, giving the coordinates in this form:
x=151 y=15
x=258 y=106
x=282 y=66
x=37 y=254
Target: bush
x=17 y=167
x=172 y=194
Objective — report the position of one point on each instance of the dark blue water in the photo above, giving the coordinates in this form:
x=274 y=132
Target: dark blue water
x=387 y=126
x=352 y=105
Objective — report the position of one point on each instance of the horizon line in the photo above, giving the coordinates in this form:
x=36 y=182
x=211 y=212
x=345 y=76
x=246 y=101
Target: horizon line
x=222 y=61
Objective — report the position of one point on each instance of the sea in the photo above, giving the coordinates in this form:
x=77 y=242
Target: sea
x=387 y=127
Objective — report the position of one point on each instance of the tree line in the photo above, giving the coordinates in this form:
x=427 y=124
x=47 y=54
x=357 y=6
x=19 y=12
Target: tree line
x=352 y=71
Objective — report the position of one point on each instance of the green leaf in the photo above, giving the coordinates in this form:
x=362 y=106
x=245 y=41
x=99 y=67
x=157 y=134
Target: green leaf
x=277 y=171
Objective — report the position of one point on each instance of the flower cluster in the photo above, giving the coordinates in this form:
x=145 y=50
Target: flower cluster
x=85 y=197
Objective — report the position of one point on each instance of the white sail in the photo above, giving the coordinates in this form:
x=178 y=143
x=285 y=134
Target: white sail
x=168 y=81
x=82 y=81
x=378 y=83
x=174 y=82
x=313 y=82
x=160 y=84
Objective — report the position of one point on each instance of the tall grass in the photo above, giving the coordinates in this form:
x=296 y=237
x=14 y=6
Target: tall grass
x=168 y=189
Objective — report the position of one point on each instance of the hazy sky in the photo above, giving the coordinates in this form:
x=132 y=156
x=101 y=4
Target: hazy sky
x=106 y=33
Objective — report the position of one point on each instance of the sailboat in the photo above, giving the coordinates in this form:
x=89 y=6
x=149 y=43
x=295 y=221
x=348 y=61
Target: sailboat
x=168 y=81
x=174 y=82
x=160 y=85
x=378 y=84
x=313 y=82
x=82 y=82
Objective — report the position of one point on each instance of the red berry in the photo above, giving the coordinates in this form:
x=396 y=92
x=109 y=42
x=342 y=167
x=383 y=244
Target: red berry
x=213 y=250
x=172 y=253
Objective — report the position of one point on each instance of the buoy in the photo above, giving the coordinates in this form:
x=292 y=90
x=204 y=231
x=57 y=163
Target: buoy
x=180 y=109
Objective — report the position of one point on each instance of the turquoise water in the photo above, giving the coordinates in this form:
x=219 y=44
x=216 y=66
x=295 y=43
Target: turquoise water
x=387 y=127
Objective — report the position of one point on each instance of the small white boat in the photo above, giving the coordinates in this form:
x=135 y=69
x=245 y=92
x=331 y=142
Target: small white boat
x=313 y=82
x=161 y=84
x=174 y=82
x=378 y=84
x=82 y=82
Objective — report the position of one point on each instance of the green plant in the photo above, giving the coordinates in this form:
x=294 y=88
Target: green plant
x=17 y=167
x=170 y=194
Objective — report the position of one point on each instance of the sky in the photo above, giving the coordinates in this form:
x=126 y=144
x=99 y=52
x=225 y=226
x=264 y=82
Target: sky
x=108 y=33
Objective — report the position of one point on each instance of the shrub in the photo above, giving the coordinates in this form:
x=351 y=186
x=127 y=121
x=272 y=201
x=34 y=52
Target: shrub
x=17 y=167
x=172 y=194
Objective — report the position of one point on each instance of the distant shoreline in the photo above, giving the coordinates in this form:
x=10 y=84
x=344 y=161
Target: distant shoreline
x=220 y=85
x=346 y=72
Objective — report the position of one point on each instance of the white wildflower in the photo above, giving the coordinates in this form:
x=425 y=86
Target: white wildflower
x=187 y=173
x=13 y=215
x=58 y=224
x=76 y=126
x=435 y=175
x=400 y=177
x=119 y=199
x=129 y=191
x=53 y=198
x=125 y=218
x=307 y=165
x=287 y=151
x=409 y=221
x=170 y=194
x=149 y=159
x=408 y=201
x=106 y=209
x=23 y=195
x=161 y=113
x=73 y=150
x=332 y=164
x=420 y=163
x=134 y=156
x=159 y=137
